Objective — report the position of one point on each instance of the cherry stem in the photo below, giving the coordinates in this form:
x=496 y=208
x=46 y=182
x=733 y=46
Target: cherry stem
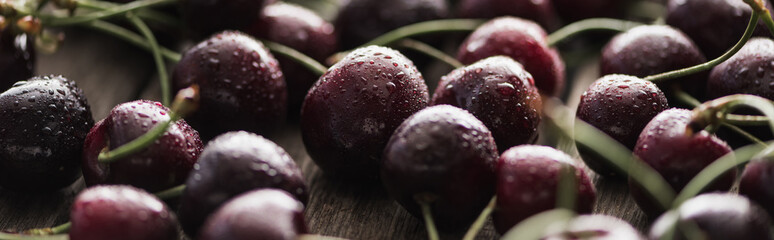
x=567 y=189
x=709 y=65
x=130 y=37
x=712 y=112
x=171 y=193
x=481 y=220
x=296 y=56
x=22 y=236
x=185 y=102
x=429 y=51
x=760 y=7
x=113 y=11
x=535 y=226
x=733 y=119
x=591 y=24
x=161 y=67
x=432 y=232
x=146 y=13
x=693 y=102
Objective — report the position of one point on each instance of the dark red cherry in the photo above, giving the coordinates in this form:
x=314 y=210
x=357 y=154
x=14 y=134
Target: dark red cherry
x=522 y=40
x=498 y=91
x=527 y=181
x=302 y=30
x=162 y=165
x=259 y=214
x=715 y=216
x=620 y=106
x=232 y=164
x=204 y=17
x=540 y=11
x=757 y=179
x=652 y=49
x=443 y=155
x=360 y=21
x=749 y=71
x=596 y=227
x=354 y=108
x=120 y=213
x=17 y=58
x=665 y=146
x=242 y=87
x=574 y=10
x=44 y=123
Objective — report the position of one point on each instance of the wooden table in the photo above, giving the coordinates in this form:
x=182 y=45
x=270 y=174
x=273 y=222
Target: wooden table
x=111 y=72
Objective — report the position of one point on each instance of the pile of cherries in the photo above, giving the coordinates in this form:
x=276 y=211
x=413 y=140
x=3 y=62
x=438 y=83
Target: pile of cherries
x=450 y=156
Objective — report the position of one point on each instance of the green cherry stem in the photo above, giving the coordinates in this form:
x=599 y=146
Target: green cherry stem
x=161 y=67
x=567 y=189
x=481 y=220
x=429 y=51
x=171 y=193
x=186 y=101
x=130 y=37
x=733 y=119
x=535 y=227
x=709 y=65
x=592 y=24
x=118 y=9
x=760 y=7
x=686 y=98
x=296 y=56
x=424 y=205
x=711 y=113
x=145 y=13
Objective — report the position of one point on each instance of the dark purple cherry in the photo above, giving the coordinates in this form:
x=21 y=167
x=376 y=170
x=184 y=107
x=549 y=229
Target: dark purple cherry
x=527 y=181
x=596 y=227
x=522 y=40
x=620 y=106
x=540 y=11
x=715 y=25
x=574 y=10
x=445 y=156
x=259 y=214
x=242 y=87
x=162 y=165
x=715 y=216
x=232 y=164
x=749 y=71
x=665 y=146
x=302 y=30
x=498 y=91
x=757 y=179
x=354 y=108
x=17 y=58
x=360 y=21
x=204 y=17
x=652 y=49
x=44 y=124
x=120 y=213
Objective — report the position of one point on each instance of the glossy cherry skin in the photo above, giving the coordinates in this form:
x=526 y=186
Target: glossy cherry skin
x=204 y=17
x=665 y=146
x=527 y=181
x=757 y=179
x=353 y=109
x=652 y=49
x=596 y=227
x=574 y=10
x=360 y=21
x=44 y=123
x=121 y=213
x=522 y=40
x=232 y=164
x=620 y=106
x=541 y=11
x=162 y=165
x=443 y=155
x=259 y=214
x=498 y=91
x=242 y=87
x=749 y=71
x=303 y=30
x=716 y=216
x=715 y=25
x=17 y=58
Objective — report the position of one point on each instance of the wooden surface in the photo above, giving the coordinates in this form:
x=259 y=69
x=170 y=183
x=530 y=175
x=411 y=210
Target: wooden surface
x=111 y=72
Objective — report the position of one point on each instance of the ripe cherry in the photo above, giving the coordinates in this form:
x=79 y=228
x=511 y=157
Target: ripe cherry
x=757 y=179
x=596 y=227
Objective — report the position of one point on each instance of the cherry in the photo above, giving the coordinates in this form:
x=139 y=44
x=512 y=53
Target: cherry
x=45 y=121
x=527 y=181
x=17 y=58
x=522 y=40
x=539 y=11
x=353 y=109
x=716 y=216
x=714 y=25
x=596 y=227
x=242 y=87
x=574 y=10
x=204 y=17
x=359 y=21
x=757 y=179
x=302 y=30
x=749 y=71
x=620 y=106
x=446 y=157
x=678 y=157
x=122 y=213
x=498 y=91
x=162 y=165
x=259 y=214
x=231 y=164
x=652 y=49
